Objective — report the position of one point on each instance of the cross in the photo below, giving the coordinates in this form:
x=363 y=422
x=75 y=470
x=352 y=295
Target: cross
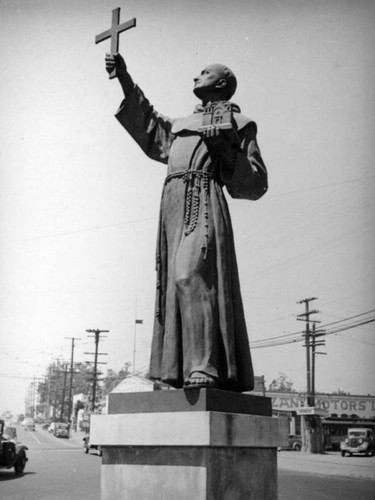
x=114 y=33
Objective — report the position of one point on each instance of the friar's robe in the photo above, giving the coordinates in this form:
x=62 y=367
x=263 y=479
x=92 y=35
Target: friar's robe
x=199 y=321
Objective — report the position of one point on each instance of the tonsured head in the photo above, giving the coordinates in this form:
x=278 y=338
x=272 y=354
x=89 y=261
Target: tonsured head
x=214 y=83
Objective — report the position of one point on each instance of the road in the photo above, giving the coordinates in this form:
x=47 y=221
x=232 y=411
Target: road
x=59 y=470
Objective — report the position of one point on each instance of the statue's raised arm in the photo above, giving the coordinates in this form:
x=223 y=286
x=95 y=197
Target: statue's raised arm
x=115 y=62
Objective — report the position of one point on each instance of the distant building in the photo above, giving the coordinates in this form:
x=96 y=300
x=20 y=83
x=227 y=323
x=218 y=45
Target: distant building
x=138 y=383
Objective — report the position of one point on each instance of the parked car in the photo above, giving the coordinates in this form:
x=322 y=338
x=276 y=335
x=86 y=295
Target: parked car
x=61 y=430
x=45 y=425
x=87 y=446
x=360 y=440
x=12 y=454
x=51 y=427
x=295 y=443
x=29 y=424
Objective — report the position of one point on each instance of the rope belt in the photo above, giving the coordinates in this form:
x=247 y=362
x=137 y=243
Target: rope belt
x=195 y=180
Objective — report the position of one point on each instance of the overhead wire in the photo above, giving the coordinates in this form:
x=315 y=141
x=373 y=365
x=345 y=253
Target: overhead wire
x=299 y=335
x=146 y=219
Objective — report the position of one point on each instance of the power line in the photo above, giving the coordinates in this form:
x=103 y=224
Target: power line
x=348 y=327
x=297 y=336
x=147 y=219
x=79 y=231
x=350 y=317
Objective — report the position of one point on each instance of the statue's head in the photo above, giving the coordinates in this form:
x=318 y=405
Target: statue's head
x=215 y=82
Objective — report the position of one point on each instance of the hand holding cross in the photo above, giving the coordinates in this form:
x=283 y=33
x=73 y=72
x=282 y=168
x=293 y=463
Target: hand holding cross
x=114 y=33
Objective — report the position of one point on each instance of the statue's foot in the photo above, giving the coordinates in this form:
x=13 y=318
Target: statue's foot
x=199 y=379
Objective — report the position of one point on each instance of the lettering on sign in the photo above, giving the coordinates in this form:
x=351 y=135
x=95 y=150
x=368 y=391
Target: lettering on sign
x=363 y=407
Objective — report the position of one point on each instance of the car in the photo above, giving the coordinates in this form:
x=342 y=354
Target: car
x=294 y=443
x=359 y=441
x=12 y=454
x=61 y=429
x=87 y=446
x=51 y=427
x=29 y=424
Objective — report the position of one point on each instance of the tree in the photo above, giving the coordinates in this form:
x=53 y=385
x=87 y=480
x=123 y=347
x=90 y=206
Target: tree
x=341 y=392
x=7 y=415
x=113 y=378
x=50 y=389
x=281 y=384
x=78 y=406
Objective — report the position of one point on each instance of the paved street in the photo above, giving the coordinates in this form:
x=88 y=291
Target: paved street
x=329 y=464
x=325 y=477
x=58 y=469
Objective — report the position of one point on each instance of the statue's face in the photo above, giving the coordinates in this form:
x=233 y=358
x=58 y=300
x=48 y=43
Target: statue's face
x=208 y=80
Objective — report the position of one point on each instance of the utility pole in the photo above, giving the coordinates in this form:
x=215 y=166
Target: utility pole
x=47 y=411
x=137 y=322
x=306 y=317
x=316 y=341
x=312 y=434
x=63 y=393
x=71 y=376
x=96 y=336
x=56 y=371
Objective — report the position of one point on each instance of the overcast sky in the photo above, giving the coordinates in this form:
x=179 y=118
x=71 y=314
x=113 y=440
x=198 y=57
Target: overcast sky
x=79 y=201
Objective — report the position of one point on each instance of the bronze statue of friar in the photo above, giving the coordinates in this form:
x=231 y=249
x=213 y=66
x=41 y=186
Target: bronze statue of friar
x=200 y=337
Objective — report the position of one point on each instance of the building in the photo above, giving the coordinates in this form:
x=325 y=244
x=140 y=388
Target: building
x=341 y=411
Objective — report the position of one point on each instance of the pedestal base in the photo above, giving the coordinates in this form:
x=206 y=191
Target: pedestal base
x=191 y=453
x=188 y=473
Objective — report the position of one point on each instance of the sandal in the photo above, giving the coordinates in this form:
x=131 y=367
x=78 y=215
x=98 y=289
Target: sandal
x=200 y=379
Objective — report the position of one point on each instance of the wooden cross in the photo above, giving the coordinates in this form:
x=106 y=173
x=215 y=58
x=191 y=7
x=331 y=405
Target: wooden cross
x=114 y=33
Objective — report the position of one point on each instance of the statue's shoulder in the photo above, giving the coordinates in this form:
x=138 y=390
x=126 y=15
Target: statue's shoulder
x=242 y=121
x=188 y=123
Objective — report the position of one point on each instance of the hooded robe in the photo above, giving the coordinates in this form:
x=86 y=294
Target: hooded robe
x=199 y=319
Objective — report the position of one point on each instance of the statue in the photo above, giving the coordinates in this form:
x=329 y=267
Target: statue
x=200 y=337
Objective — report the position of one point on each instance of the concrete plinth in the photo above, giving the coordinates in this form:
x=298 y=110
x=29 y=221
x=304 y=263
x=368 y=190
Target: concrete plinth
x=192 y=452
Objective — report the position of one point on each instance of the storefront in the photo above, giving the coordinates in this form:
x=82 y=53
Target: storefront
x=337 y=412
x=343 y=406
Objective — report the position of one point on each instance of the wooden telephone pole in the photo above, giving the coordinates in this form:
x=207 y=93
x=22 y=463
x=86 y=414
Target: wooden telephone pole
x=312 y=437
x=70 y=397
x=95 y=378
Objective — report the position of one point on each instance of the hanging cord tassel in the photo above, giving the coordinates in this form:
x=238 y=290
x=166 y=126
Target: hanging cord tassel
x=188 y=178
x=197 y=180
x=206 y=187
x=192 y=202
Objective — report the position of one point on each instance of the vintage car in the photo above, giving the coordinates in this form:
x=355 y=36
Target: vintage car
x=294 y=443
x=359 y=440
x=45 y=425
x=29 y=424
x=51 y=427
x=87 y=446
x=12 y=454
x=61 y=429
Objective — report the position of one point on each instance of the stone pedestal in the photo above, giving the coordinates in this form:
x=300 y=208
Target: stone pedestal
x=201 y=444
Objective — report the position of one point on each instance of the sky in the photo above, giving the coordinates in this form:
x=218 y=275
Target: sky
x=79 y=201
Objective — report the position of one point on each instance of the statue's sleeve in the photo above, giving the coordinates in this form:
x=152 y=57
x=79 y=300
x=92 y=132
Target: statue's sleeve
x=150 y=129
x=245 y=175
